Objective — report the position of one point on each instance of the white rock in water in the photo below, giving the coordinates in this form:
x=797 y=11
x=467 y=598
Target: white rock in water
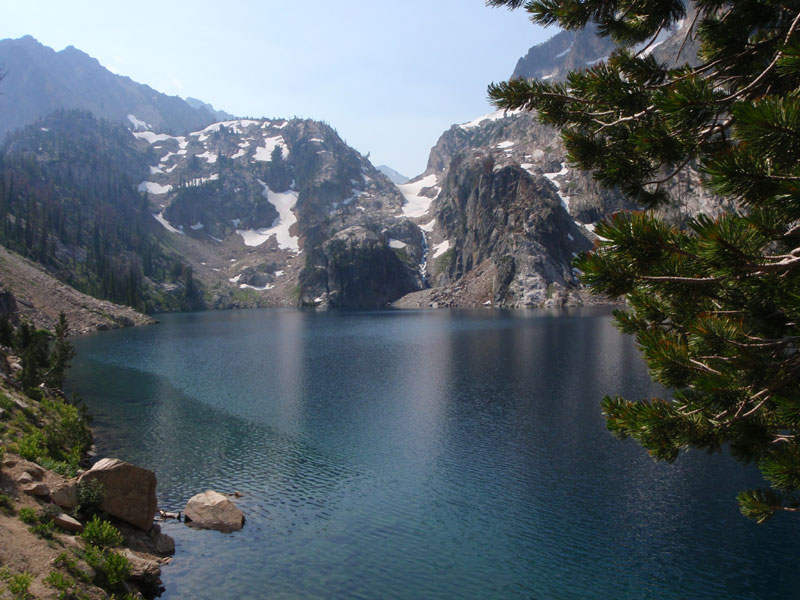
x=212 y=510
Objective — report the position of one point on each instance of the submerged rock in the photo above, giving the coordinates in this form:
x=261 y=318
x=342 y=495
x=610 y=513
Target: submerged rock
x=129 y=492
x=212 y=510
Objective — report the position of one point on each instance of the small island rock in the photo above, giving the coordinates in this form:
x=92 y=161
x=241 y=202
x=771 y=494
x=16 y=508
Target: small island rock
x=212 y=510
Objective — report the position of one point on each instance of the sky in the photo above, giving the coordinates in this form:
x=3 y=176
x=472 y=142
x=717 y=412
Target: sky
x=389 y=76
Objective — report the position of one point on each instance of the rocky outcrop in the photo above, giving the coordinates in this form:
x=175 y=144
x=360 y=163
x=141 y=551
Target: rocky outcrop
x=212 y=510
x=129 y=492
x=503 y=214
x=361 y=268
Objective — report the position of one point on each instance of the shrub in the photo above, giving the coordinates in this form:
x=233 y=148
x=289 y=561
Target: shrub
x=64 y=561
x=65 y=469
x=48 y=511
x=59 y=581
x=28 y=516
x=31 y=446
x=6 y=505
x=90 y=496
x=101 y=533
x=18 y=584
x=43 y=529
x=110 y=568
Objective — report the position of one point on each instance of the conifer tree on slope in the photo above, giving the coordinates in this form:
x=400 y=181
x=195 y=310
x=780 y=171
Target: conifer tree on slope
x=715 y=307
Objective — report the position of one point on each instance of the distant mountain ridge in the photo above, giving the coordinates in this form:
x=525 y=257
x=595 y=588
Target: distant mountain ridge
x=393 y=175
x=38 y=80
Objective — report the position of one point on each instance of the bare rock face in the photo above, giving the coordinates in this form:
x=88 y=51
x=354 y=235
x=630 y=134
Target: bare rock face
x=212 y=510
x=66 y=494
x=129 y=492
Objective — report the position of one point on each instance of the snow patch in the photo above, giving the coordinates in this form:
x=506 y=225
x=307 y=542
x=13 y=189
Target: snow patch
x=252 y=287
x=209 y=156
x=565 y=52
x=151 y=137
x=397 y=244
x=160 y=218
x=284 y=203
x=235 y=279
x=417 y=205
x=428 y=226
x=138 y=124
x=264 y=153
x=506 y=144
x=440 y=249
x=197 y=226
x=156 y=169
x=495 y=116
x=154 y=188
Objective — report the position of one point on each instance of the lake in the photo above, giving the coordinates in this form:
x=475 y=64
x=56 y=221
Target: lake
x=421 y=454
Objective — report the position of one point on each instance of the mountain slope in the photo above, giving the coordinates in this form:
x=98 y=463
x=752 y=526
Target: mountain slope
x=39 y=80
x=503 y=212
x=68 y=200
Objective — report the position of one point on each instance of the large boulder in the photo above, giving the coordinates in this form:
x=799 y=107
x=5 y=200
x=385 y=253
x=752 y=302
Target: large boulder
x=66 y=494
x=212 y=510
x=129 y=492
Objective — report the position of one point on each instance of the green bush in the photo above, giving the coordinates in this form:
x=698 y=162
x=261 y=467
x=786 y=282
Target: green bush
x=44 y=529
x=6 y=505
x=31 y=446
x=101 y=533
x=28 y=516
x=64 y=561
x=90 y=496
x=110 y=568
x=59 y=581
x=65 y=469
x=18 y=584
x=6 y=403
x=48 y=511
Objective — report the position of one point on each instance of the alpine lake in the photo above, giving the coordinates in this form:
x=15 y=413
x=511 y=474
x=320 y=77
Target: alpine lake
x=421 y=454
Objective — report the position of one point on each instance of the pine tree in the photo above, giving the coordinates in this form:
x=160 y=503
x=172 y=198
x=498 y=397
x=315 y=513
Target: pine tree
x=715 y=306
x=60 y=355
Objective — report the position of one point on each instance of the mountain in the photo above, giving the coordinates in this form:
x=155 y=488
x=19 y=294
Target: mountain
x=69 y=201
x=219 y=115
x=39 y=80
x=503 y=212
x=393 y=175
x=576 y=50
x=282 y=212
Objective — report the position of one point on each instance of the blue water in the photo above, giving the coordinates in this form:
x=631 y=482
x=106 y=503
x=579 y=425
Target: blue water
x=441 y=454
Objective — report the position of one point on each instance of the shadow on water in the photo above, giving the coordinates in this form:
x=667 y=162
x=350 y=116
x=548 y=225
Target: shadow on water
x=446 y=454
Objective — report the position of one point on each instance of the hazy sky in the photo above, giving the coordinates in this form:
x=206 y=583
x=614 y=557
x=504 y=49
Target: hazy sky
x=390 y=76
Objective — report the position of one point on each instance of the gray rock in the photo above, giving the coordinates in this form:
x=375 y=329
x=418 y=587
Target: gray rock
x=212 y=510
x=164 y=544
x=24 y=479
x=36 y=489
x=66 y=494
x=129 y=492
x=142 y=569
x=67 y=523
x=34 y=471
